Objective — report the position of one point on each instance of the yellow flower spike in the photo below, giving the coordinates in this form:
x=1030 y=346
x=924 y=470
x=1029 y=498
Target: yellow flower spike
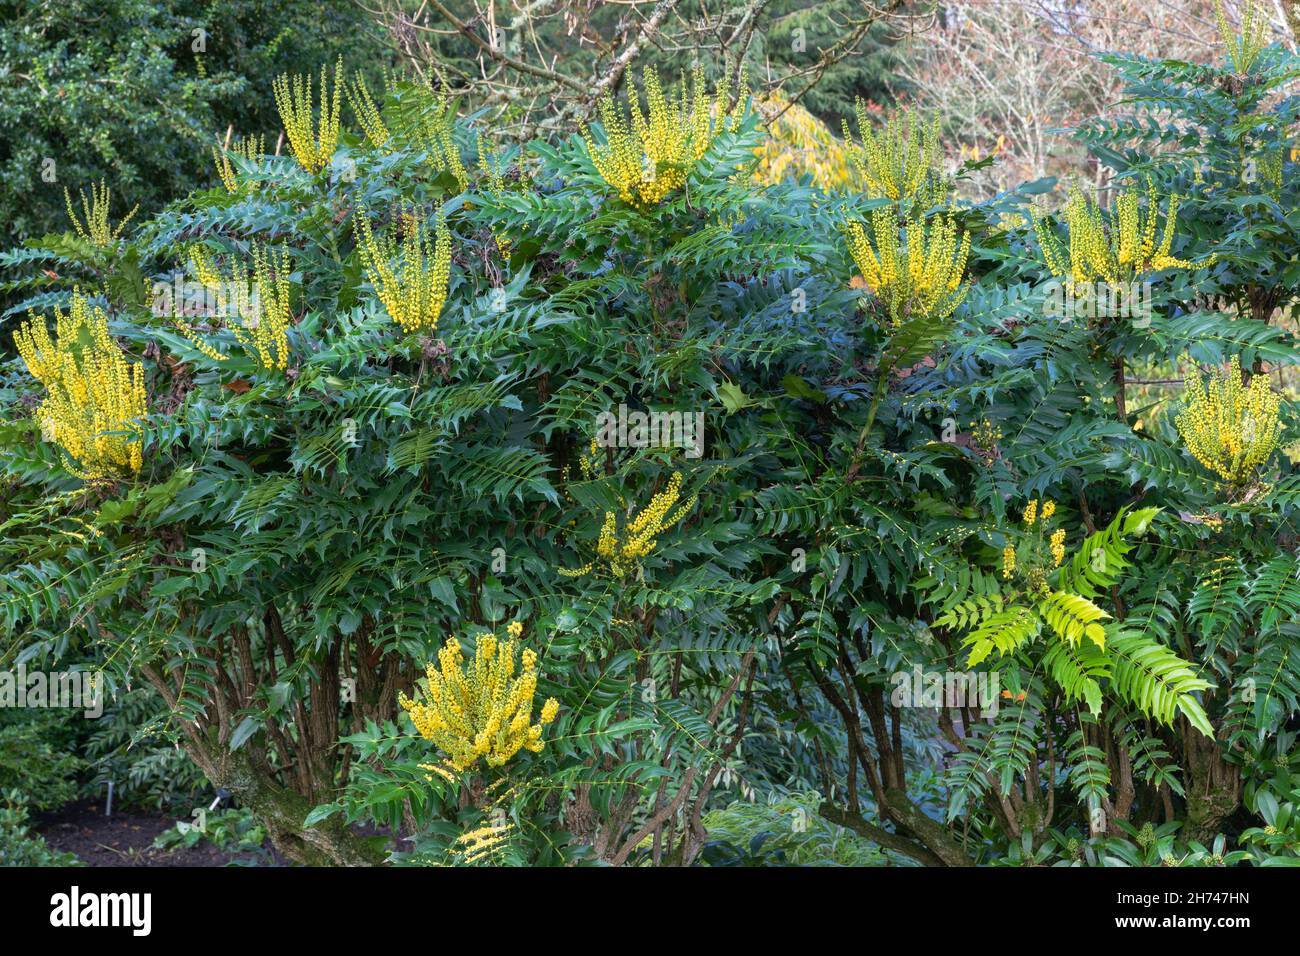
x=367 y=113
x=919 y=277
x=92 y=391
x=1057 y=544
x=204 y=268
x=255 y=302
x=1049 y=509
x=1229 y=427
x=199 y=343
x=623 y=551
x=1245 y=46
x=415 y=293
x=900 y=162
x=1117 y=248
x=249 y=149
x=1031 y=513
x=1008 y=561
x=437 y=127
x=488 y=714
x=648 y=154
x=313 y=143
x=495 y=184
x=481 y=844
x=96 y=229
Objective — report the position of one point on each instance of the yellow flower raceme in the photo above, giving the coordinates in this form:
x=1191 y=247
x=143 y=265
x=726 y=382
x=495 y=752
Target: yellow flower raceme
x=494 y=182
x=367 y=113
x=1271 y=166
x=1245 y=46
x=480 y=844
x=1229 y=427
x=204 y=268
x=94 y=396
x=623 y=549
x=985 y=435
x=257 y=295
x=1031 y=512
x=648 y=155
x=483 y=711
x=440 y=145
x=312 y=143
x=919 y=277
x=249 y=149
x=265 y=332
x=1057 y=545
x=899 y=162
x=96 y=229
x=1117 y=246
x=415 y=292
x=1008 y=561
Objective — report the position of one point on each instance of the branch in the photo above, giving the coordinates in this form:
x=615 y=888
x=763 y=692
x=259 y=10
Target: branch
x=619 y=64
x=501 y=56
x=890 y=841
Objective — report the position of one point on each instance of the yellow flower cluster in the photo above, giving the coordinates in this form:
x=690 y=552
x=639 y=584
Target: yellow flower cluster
x=415 y=293
x=440 y=146
x=624 y=550
x=249 y=149
x=95 y=397
x=1031 y=513
x=589 y=465
x=1115 y=248
x=483 y=710
x=591 y=462
x=312 y=143
x=899 y=162
x=1244 y=47
x=205 y=269
x=1057 y=545
x=985 y=435
x=799 y=144
x=647 y=155
x=96 y=229
x=478 y=845
x=495 y=184
x=1036 y=514
x=1271 y=165
x=259 y=296
x=367 y=113
x=919 y=277
x=1229 y=427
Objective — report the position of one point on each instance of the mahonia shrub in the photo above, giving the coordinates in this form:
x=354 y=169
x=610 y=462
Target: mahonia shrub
x=699 y=438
